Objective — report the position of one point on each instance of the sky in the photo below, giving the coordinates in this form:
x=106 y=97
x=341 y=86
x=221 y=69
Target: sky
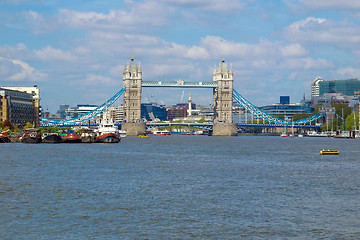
x=75 y=51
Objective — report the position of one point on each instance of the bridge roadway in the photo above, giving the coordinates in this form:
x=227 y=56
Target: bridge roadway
x=207 y=126
x=179 y=84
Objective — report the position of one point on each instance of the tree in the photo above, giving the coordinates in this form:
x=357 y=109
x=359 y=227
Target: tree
x=349 y=122
x=299 y=116
x=339 y=108
x=7 y=124
x=28 y=125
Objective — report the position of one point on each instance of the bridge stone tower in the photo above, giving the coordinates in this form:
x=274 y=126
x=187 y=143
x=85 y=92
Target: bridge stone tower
x=132 y=77
x=223 y=99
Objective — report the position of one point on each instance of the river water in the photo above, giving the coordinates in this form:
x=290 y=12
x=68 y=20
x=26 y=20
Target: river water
x=181 y=187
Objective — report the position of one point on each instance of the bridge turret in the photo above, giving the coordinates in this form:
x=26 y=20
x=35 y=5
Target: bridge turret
x=132 y=78
x=223 y=98
x=223 y=94
x=132 y=96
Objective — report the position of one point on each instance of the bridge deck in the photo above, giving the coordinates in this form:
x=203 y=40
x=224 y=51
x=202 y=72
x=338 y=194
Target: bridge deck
x=179 y=84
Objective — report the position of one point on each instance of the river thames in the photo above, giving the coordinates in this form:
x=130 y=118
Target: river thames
x=181 y=187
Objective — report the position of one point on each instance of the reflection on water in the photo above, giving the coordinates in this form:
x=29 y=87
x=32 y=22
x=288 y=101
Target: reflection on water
x=181 y=187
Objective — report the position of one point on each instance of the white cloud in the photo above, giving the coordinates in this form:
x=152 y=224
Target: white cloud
x=18 y=2
x=293 y=50
x=140 y=15
x=94 y=80
x=209 y=5
x=349 y=72
x=321 y=31
x=25 y=72
x=327 y=4
x=49 y=53
x=307 y=23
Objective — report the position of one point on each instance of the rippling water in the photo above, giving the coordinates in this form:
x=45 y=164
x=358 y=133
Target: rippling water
x=181 y=187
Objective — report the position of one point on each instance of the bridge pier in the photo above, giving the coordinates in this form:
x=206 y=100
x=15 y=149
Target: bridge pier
x=224 y=129
x=134 y=129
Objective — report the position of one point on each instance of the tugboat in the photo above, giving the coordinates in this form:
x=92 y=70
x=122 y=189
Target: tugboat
x=52 y=138
x=107 y=132
x=31 y=135
x=71 y=137
x=4 y=137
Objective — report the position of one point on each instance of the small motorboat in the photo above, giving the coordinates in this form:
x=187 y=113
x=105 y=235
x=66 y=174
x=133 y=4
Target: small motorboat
x=164 y=132
x=329 y=152
x=143 y=136
x=122 y=133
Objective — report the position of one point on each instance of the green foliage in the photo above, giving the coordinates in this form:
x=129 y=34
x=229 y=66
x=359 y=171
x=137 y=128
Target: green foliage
x=178 y=121
x=202 y=120
x=7 y=125
x=279 y=116
x=28 y=125
x=349 y=122
x=15 y=129
x=299 y=116
x=342 y=107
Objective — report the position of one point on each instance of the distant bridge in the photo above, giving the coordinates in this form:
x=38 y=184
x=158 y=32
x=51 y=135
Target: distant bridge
x=206 y=126
x=179 y=84
x=255 y=111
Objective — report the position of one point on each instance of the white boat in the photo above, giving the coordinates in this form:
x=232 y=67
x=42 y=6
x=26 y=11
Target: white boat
x=122 y=133
x=107 y=132
x=163 y=132
x=316 y=134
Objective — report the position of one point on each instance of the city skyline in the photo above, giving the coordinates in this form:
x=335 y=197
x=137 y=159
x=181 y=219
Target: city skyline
x=76 y=51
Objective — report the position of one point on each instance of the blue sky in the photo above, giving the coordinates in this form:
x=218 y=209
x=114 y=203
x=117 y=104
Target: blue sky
x=75 y=51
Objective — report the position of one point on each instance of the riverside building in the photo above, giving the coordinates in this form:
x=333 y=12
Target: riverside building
x=18 y=107
x=35 y=94
x=286 y=109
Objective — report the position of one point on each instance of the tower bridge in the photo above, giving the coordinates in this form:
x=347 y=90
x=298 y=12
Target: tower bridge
x=222 y=86
x=223 y=96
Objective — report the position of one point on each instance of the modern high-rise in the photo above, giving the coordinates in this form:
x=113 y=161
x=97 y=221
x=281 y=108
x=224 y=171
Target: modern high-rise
x=152 y=112
x=347 y=87
x=315 y=89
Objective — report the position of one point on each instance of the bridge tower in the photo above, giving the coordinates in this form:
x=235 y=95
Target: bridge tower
x=132 y=77
x=223 y=99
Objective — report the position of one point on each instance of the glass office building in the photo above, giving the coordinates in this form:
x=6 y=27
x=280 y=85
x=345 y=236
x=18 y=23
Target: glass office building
x=346 y=87
x=151 y=112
